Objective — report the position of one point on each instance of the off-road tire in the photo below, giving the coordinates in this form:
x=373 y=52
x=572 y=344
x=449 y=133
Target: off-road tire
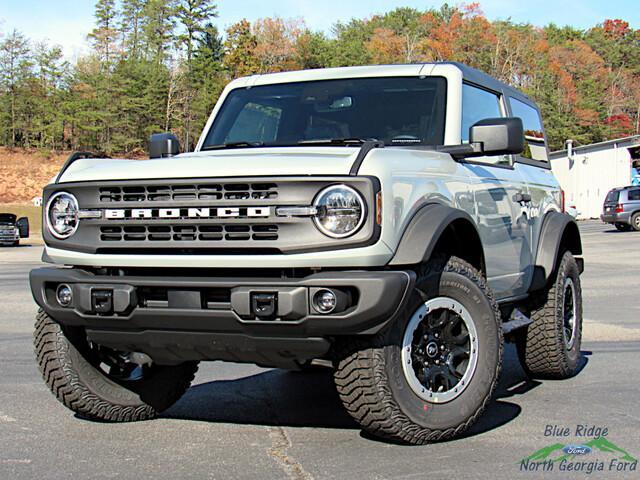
x=541 y=346
x=369 y=376
x=89 y=392
x=635 y=221
x=622 y=227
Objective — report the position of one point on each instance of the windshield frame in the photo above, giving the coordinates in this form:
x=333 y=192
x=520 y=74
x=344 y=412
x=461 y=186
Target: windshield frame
x=440 y=108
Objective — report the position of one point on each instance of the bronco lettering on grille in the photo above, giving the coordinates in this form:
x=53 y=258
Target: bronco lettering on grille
x=221 y=212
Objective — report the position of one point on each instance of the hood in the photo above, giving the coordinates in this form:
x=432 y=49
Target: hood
x=270 y=161
x=7 y=219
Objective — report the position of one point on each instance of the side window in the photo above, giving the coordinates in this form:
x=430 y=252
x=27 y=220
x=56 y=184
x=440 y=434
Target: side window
x=477 y=104
x=633 y=195
x=255 y=123
x=534 y=144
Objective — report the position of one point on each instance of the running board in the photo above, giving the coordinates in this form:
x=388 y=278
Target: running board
x=516 y=321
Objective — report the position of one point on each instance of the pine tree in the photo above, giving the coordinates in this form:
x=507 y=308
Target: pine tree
x=193 y=15
x=15 y=65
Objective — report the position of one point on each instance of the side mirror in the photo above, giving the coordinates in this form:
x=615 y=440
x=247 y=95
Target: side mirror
x=163 y=145
x=23 y=227
x=498 y=136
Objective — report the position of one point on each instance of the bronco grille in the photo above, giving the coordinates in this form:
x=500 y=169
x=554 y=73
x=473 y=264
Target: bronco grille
x=189 y=192
x=188 y=233
x=211 y=215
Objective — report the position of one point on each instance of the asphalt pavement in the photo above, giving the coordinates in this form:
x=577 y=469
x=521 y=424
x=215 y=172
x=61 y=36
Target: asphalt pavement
x=241 y=421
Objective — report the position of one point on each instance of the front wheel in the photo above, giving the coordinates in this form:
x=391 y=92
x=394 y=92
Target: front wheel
x=550 y=346
x=98 y=383
x=432 y=372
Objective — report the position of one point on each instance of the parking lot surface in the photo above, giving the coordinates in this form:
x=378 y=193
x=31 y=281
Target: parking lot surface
x=241 y=421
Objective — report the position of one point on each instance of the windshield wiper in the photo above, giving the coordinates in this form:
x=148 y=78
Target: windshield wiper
x=337 y=141
x=242 y=144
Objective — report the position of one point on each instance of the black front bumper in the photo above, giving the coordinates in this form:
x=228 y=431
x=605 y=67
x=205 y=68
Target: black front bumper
x=179 y=318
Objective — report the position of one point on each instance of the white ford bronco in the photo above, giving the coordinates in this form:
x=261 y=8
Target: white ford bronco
x=400 y=222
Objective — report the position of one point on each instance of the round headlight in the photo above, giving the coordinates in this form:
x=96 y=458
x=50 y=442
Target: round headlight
x=341 y=211
x=62 y=215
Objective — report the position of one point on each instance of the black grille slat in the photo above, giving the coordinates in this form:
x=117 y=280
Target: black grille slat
x=189 y=192
x=188 y=233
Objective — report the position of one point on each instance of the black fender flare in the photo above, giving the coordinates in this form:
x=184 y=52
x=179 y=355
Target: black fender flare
x=426 y=228
x=559 y=232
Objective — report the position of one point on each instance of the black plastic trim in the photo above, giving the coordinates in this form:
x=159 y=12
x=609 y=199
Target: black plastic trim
x=380 y=296
x=362 y=154
x=554 y=226
x=72 y=158
x=424 y=231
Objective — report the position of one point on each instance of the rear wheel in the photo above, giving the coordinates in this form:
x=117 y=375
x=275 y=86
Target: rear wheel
x=432 y=372
x=104 y=384
x=635 y=221
x=550 y=346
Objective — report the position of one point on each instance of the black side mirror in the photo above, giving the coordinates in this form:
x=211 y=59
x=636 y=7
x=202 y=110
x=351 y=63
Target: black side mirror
x=23 y=227
x=163 y=145
x=498 y=136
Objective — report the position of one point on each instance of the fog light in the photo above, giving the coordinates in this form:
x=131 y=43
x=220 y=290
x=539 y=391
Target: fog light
x=64 y=295
x=326 y=301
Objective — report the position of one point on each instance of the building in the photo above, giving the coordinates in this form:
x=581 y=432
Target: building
x=588 y=172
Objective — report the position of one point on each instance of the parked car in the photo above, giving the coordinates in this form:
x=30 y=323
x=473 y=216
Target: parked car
x=399 y=222
x=573 y=211
x=622 y=208
x=12 y=229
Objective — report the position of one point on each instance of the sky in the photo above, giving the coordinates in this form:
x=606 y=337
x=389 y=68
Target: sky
x=67 y=22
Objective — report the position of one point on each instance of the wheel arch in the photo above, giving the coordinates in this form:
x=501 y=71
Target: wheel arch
x=439 y=228
x=559 y=233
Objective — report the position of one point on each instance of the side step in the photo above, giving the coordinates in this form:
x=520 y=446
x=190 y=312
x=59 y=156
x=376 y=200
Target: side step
x=516 y=321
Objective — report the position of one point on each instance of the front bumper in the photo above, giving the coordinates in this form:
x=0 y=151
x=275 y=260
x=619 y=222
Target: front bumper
x=179 y=318
x=9 y=237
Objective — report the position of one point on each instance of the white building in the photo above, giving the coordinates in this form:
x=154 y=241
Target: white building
x=588 y=172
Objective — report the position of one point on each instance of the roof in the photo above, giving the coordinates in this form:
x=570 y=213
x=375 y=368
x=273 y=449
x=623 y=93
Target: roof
x=624 y=142
x=479 y=77
x=469 y=74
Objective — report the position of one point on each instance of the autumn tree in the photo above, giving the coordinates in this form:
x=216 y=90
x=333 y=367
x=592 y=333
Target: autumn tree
x=240 y=46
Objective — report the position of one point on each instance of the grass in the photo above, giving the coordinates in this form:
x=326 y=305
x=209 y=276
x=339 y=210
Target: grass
x=24 y=210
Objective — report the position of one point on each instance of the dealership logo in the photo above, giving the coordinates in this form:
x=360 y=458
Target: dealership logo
x=586 y=457
x=164 y=213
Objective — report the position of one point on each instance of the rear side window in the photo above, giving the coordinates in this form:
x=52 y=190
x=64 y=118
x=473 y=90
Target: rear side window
x=477 y=104
x=256 y=121
x=612 y=196
x=633 y=194
x=534 y=144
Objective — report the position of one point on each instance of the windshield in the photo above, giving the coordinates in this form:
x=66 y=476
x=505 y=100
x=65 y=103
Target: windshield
x=7 y=218
x=396 y=110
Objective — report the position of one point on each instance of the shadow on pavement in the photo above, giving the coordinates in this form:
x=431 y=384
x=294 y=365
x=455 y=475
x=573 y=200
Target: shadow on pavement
x=293 y=399
x=273 y=398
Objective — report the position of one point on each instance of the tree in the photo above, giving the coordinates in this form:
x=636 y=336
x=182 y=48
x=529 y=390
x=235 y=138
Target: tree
x=193 y=15
x=158 y=26
x=104 y=34
x=131 y=26
x=15 y=64
x=276 y=43
x=240 y=45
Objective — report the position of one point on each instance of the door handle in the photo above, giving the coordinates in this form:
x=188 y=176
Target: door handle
x=522 y=197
